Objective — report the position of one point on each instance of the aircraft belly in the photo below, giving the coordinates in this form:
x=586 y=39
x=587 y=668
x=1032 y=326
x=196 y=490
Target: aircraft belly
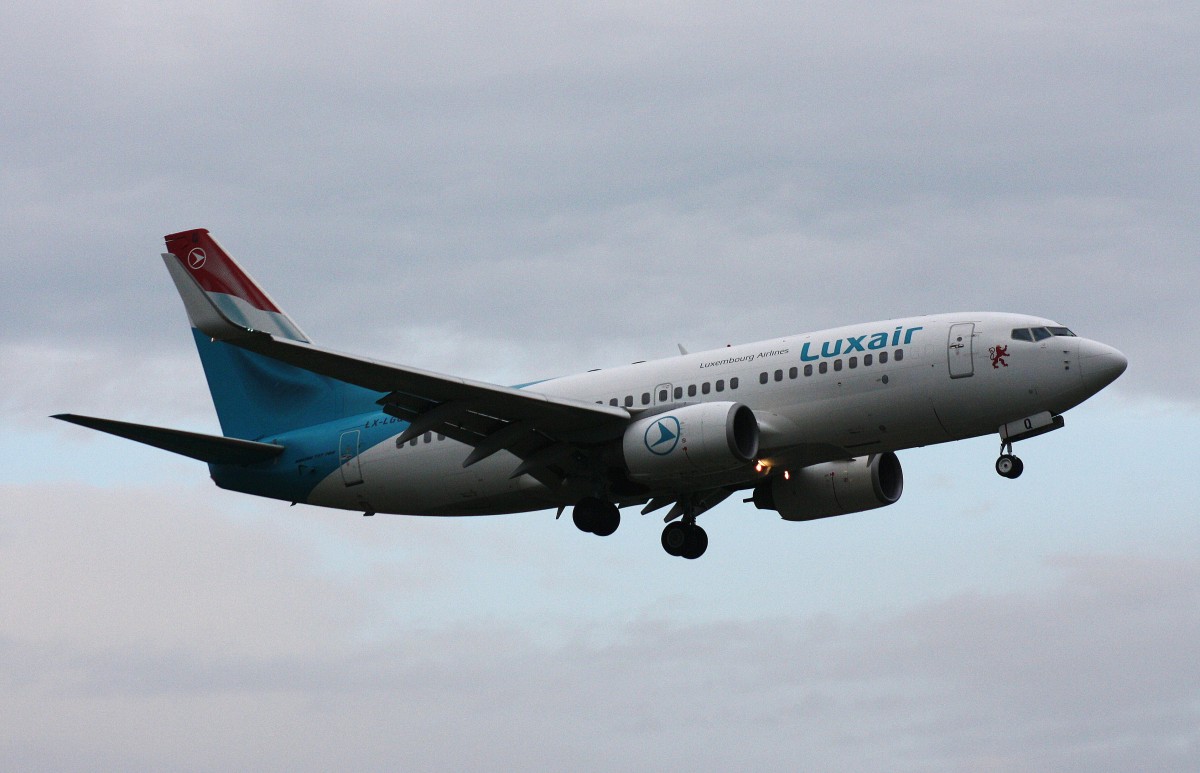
x=425 y=480
x=861 y=412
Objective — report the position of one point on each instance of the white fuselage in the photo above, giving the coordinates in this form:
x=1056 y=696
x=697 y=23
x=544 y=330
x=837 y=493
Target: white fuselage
x=856 y=390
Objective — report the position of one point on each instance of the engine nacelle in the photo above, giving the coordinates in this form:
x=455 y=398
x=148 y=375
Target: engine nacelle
x=834 y=488
x=695 y=439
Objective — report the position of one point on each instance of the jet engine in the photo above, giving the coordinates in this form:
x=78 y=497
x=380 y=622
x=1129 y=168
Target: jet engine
x=696 y=439
x=833 y=488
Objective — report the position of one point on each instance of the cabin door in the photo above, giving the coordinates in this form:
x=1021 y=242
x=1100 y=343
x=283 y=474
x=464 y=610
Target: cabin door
x=960 y=350
x=348 y=457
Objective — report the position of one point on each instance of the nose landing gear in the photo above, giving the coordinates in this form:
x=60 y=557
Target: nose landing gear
x=1009 y=465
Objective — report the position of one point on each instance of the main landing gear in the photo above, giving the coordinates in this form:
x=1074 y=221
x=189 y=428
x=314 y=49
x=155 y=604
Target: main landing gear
x=1008 y=465
x=680 y=538
x=596 y=516
x=684 y=538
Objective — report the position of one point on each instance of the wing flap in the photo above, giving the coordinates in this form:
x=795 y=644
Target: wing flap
x=207 y=448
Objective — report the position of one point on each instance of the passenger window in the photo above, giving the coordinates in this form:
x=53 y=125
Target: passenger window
x=1022 y=334
x=762 y=377
x=645 y=398
x=837 y=364
x=779 y=375
x=808 y=370
x=428 y=437
x=853 y=363
x=1040 y=334
x=413 y=442
x=883 y=358
x=793 y=372
x=823 y=367
x=662 y=395
x=705 y=388
x=720 y=385
x=899 y=355
x=613 y=402
x=628 y=401
x=441 y=437
x=733 y=382
x=678 y=393
x=691 y=390
x=867 y=360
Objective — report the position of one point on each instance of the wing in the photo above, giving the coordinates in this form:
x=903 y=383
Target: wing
x=488 y=417
x=542 y=430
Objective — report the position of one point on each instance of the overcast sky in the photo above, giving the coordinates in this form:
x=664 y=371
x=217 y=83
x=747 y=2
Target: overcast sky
x=522 y=192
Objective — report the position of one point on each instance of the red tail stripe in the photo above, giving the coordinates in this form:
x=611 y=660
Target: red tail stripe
x=216 y=272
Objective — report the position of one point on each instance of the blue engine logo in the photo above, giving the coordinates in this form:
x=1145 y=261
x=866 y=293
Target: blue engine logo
x=663 y=435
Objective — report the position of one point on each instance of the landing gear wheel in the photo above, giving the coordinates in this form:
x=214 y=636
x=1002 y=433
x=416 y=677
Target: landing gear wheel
x=593 y=515
x=1009 y=466
x=695 y=544
x=686 y=540
x=674 y=538
x=607 y=520
x=587 y=514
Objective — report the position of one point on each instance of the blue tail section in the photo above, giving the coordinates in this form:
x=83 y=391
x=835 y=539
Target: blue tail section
x=257 y=396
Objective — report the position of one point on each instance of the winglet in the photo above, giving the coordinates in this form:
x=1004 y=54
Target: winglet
x=220 y=297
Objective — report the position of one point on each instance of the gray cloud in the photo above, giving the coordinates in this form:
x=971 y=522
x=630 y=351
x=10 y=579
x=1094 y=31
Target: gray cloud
x=719 y=176
x=172 y=633
x=518 y=193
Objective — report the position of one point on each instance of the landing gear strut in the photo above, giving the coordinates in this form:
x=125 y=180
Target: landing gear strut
x=685 y=539
x=596 y=516
x=1008 y=465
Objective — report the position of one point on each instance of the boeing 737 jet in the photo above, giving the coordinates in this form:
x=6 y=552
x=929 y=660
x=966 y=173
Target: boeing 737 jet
x=806 y=425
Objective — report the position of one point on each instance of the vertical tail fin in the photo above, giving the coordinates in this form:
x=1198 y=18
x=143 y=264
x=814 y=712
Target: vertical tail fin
x=255 y=396
x=196 y=254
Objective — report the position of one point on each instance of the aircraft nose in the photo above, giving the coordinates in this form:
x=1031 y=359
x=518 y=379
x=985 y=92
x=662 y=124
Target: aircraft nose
x=1101 y=364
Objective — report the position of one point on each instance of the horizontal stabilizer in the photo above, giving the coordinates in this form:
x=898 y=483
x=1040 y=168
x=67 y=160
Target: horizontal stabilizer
x=206 y=448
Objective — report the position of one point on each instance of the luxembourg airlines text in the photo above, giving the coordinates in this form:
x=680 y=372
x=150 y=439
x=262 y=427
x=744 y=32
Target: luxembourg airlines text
x=745 y=358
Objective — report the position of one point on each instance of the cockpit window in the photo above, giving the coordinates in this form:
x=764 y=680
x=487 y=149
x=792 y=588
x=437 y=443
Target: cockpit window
x=1039 y=333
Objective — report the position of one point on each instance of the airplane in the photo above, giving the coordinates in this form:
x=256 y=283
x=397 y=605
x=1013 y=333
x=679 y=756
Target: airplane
x=806 y=425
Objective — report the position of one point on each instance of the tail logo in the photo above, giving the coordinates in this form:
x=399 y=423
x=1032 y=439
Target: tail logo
x=196 y=259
